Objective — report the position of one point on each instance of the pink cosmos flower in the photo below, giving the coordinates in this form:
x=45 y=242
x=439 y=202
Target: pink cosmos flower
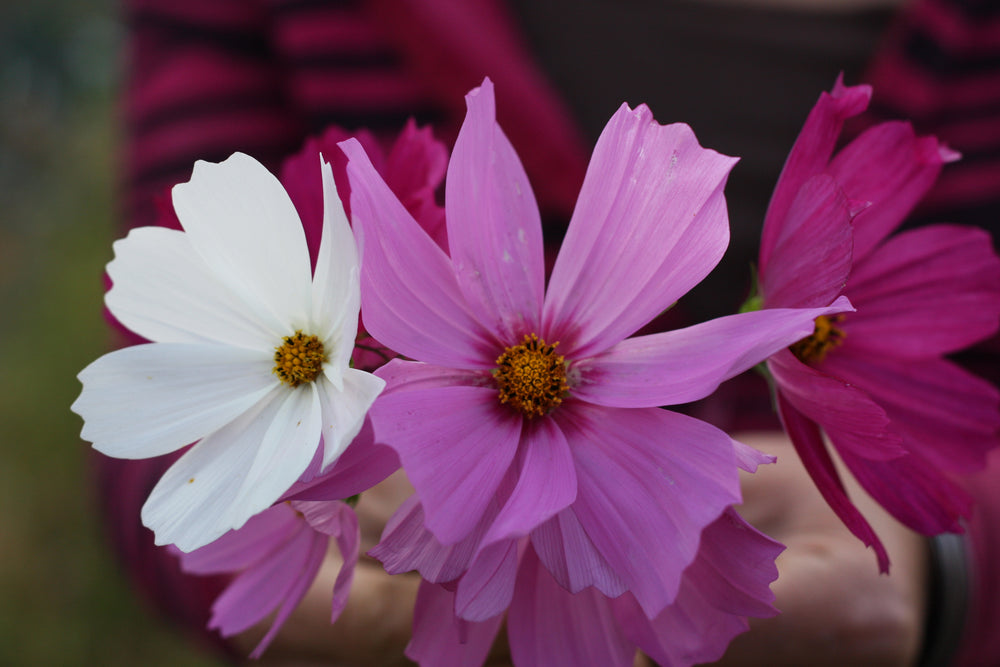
x=900 y=416
x=525 y=404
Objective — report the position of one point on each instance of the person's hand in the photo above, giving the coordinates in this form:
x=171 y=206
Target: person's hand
x=836 y=607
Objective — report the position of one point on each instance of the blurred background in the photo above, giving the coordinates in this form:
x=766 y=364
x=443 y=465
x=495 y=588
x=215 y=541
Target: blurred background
x=62 y=600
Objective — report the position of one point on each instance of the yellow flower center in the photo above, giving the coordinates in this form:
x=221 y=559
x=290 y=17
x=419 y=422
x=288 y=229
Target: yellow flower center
x=299 y=359
x=825 y=336
x=531 y=377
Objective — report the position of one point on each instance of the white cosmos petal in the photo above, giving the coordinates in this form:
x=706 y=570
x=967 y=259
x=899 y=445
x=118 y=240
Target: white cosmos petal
x=344 y=410
x=148 y=400
x=242 y=222
x=282 y=455
x=215 y=486
x=163 y=290
x=336 y=284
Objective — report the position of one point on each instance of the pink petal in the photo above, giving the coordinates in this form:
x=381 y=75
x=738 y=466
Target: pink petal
x=238 y=549
x=410 y=295
x=339 y=521
x=549 y=626
x=456 y=444
x=485 y=590
x=280 y=580
x=650 y=223
x=571 y=558
x=545 y=486
x=727 y=582
x=407 y=545
x=838 y=406
x=809 y=155
x=439 y=638
x=688 y=364
x=925 y=292
x=363 y=464
x=748 y=458
x=945 y=414
x=494 y=229
x=402 y=375
x=812 y=254
x=889 y=166
x=649 y=481
x=805 y=435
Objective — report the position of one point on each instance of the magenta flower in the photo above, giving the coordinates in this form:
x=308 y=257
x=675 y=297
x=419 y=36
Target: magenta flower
x=524 y=402
x=901 y=417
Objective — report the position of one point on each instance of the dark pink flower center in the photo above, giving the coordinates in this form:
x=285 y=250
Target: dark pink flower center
x=825 y=336
x=531 y=377
x=299 y=359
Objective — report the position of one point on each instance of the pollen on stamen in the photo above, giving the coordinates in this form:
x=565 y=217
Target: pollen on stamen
x=299 y=359
x=825 y=337
x=531 y=377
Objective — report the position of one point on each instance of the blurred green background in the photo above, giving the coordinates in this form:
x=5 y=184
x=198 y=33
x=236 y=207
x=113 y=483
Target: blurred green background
x=62 y=599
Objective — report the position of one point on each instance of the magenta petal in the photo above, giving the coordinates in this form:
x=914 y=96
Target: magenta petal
x=810 y=155
x=439 y=638
x=650 y=223
x=485 y=590
x=571 y=558
x=812 y=254
x=546 y=483
x=889 y=166
x=945 y=414
x=727 y=582
x=649 y=481
x=925 y=292
x=550 y=627
x=838 y=406
x=688 y=364
x=414 y=169
x=914 y=491
x=456 y=444
x=494 y=229
x=409 y=293
x=808 y=441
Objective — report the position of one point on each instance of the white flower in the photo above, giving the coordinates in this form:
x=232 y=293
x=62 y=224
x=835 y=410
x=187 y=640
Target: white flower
x=224 y=302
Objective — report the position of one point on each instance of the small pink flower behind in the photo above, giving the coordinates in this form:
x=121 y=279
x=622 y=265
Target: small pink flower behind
x=548 y=625
x=901 y=417
x=276 y=555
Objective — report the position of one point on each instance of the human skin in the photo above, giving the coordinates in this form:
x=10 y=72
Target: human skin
x=836 y=607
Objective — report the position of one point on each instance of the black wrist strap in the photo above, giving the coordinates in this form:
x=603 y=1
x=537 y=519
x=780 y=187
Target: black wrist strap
x=948 y=596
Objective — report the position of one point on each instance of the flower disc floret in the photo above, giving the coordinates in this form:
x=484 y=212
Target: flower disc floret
x=299 y=359
x=531 y=377
x=825 y=337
